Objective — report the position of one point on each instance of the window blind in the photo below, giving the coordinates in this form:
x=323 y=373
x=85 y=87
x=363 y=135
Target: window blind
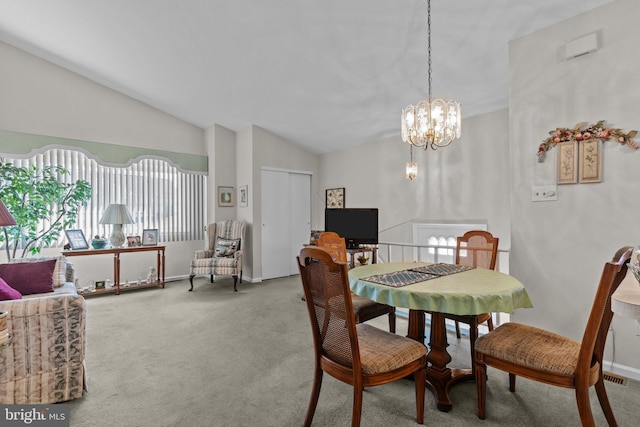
x=158 y=194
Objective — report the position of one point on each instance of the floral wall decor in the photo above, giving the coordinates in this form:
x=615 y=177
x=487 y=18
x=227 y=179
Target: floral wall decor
x=584 y=132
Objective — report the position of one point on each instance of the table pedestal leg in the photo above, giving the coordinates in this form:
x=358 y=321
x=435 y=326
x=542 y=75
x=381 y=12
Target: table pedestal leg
x=439 y=377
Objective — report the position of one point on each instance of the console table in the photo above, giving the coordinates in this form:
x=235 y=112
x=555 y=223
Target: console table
x=116 y=266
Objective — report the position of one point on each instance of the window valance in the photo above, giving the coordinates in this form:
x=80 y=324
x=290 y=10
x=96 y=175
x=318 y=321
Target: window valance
x=20 y=144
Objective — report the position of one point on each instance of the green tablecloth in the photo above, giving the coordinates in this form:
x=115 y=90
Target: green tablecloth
x=474 y=291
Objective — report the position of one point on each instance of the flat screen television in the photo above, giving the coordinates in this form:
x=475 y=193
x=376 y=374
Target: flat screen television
x=358 y=226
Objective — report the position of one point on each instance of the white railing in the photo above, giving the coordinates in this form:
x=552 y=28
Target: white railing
x=402 y=252
x=406 y=252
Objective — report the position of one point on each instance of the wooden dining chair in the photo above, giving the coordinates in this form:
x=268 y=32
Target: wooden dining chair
x=546 y=357
x=477 y=248
x=358 y=354
x=364 y=308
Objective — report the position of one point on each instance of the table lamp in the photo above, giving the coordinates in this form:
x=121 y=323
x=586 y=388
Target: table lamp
x=116 y=214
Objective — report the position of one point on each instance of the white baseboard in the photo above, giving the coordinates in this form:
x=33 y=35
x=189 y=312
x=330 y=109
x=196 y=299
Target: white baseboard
x=186 y=277
x=623 y=370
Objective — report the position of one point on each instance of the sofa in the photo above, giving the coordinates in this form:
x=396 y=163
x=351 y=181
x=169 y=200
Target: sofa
x=44 y=362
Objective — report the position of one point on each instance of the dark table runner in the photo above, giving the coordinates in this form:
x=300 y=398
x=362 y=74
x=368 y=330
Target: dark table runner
x=398 y=279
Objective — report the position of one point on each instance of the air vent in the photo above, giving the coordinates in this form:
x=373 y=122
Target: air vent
x=582 y=46
x=608 y=376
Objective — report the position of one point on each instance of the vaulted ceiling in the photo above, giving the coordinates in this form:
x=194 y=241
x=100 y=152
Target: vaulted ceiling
x=324 y=74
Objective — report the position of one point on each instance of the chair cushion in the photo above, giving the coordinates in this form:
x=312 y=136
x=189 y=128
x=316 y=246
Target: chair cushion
x=226 y=247
x=382 y=351
x=531 y=347
x=224 y=262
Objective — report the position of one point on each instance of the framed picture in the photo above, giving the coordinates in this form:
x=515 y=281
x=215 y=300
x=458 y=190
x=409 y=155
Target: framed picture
x=590 y=161
x=133 y=241
x=99 y=284
x=76 y=239
x=315 y=234
x=335 y=198
x=567 y=162
x=243 y=196
x=150 y=237
x=225 y=196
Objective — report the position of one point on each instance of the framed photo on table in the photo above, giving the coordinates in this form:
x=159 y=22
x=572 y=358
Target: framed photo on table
x=133 y=241
x=225 y=196
x=150 y=237
x=76 y=239
x=335 y=198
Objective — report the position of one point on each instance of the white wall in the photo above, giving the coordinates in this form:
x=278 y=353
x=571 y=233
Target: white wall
x=221 y=148
x=272 y=151
x=42 y=98
x=245 y=176
x=559 y=248
x=467 y=181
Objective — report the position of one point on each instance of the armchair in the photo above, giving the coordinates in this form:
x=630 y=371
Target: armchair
x=223 y=255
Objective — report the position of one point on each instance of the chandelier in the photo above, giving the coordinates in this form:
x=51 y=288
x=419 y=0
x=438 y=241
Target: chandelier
x=411 y=172
x=431 y=123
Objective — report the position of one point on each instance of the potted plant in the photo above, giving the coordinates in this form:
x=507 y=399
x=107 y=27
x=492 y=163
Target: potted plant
x=42 y=203
x=363 y=260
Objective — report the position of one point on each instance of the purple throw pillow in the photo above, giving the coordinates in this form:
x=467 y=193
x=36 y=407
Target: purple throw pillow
x=7 y=292
x=29 y=277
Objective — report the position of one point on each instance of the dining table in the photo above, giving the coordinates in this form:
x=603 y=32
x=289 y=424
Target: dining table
x=438 y=289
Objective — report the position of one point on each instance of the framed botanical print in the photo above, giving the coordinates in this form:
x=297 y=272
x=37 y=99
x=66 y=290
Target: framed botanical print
x=243 y=196
x=590 y=161
x=335 y=198
x=567 y=162
x=225 y=196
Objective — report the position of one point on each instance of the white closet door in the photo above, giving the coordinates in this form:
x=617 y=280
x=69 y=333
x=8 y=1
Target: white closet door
x=300 y=216
x=275 y=224
x=286 y=221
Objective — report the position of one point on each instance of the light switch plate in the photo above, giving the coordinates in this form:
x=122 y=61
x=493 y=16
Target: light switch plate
x=544 y=193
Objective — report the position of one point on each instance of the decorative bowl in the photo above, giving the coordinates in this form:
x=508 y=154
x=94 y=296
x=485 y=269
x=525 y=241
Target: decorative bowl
x=99 y=243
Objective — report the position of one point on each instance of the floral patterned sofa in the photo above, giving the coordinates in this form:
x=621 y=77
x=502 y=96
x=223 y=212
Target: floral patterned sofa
x=44 y=362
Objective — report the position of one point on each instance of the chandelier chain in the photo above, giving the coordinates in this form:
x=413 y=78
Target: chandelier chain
x=429 y=45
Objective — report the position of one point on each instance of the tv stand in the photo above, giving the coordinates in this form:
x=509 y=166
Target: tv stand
x=353 y=251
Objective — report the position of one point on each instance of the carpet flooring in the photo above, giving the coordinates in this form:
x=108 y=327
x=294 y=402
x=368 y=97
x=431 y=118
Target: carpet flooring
x=212 y=357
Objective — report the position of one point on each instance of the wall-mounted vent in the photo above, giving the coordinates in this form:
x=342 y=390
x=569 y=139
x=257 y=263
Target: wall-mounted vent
x=582 y=46
x=608 y=376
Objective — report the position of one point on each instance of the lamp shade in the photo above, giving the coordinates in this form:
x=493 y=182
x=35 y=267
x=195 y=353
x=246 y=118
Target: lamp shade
x=5 y=216
x=116 y=214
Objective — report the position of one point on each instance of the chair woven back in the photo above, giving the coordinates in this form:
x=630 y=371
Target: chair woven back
x=477 y=248
x=595 y=333
x=328 y=298
x=334 y=244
